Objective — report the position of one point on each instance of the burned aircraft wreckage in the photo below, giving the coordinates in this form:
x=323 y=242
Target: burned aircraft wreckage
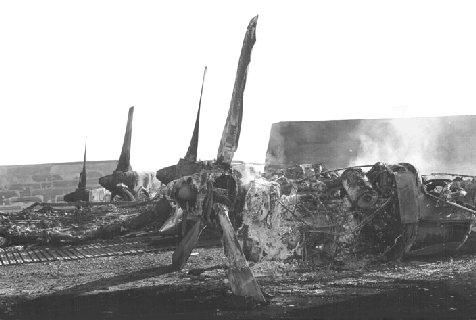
x=293 y=212
x=124 y=183
x=389 y=211
x=81 y=193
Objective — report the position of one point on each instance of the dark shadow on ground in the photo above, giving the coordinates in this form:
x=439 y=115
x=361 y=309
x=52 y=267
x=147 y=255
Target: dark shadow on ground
x=117 y=280
x=131 y=277
x=164 y=302
x=421 y=300
x=93 y=300
x=207 y=298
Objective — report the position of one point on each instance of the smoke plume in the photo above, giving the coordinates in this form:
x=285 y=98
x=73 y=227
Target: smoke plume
x=439 y=144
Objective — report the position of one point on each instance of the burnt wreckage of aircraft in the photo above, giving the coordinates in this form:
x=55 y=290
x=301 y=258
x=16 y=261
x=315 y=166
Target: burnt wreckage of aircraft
x=46 y=223
x=81 y=193
x=204 y=194
x=301 y=211
x=390 y=210
x=208 y=194
x=124 y=183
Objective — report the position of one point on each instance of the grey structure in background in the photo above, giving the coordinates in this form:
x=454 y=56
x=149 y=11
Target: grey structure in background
x=46 y=182
x=431 y=143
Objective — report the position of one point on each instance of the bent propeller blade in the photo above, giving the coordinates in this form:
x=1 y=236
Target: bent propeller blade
x=82 y=175
x=124 y=163
x=186 y=246
x=232 y=129
x=242 y=281
x=192 y=149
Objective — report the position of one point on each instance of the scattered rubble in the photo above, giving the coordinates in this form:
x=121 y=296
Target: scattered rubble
x=48 y=224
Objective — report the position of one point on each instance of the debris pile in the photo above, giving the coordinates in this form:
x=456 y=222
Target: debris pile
x=47 y=224
x=296 y=213
x=322 y=216
x=459 y=189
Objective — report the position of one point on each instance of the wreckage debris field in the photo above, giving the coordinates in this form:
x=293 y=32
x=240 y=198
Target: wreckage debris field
x=143 y=286
x=381 y=243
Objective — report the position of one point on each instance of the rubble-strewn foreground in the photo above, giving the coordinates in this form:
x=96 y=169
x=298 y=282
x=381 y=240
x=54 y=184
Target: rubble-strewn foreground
x=315 y=253
x=143 y=287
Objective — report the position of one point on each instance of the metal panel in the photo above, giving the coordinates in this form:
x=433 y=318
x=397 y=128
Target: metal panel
x=407 y=192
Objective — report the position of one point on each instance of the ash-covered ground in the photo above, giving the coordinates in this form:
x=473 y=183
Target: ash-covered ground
x=145 y=287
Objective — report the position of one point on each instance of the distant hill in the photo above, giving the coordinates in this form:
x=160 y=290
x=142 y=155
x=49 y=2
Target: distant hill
x=48 y=182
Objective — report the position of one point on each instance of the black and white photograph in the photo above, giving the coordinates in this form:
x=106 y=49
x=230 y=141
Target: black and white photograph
x=237 y=159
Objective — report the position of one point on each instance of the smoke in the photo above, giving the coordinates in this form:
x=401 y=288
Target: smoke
x=249 y=171
x=430 y=144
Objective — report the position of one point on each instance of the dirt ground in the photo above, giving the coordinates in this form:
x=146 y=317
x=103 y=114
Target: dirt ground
x=144 y=287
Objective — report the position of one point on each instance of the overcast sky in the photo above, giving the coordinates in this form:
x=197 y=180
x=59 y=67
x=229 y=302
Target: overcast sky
x=72 y=69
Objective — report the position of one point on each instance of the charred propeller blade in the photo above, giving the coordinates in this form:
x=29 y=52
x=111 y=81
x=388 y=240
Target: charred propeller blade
x=193 y=148
x=124 y=163
x=82 y=175
x=232 y=129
